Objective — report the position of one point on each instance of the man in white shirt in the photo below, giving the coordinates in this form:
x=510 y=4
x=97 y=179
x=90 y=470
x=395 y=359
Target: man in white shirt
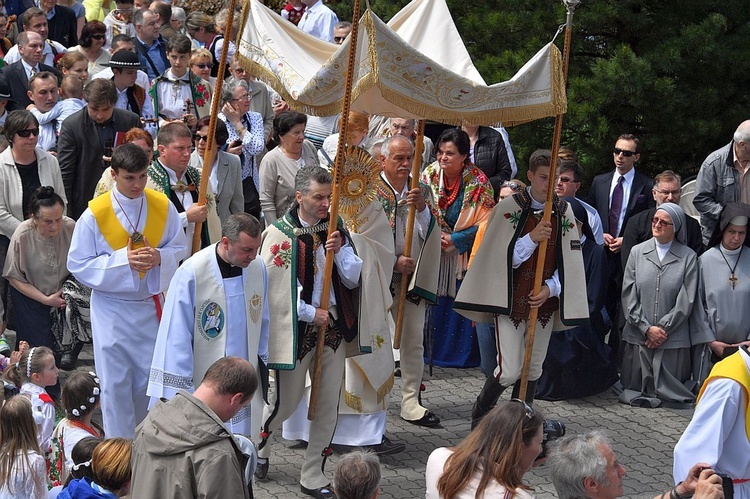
x=123 y=42
x=318 y=20
x=125 y=66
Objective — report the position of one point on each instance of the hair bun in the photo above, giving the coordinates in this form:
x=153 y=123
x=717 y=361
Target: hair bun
x=44 y=192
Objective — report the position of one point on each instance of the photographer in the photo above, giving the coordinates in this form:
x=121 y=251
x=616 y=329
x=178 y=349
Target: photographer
x=493 y=459
x=586 y=466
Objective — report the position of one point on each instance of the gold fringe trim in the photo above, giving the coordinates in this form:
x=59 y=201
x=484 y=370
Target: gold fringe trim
x=353 y=401
x=384 y=390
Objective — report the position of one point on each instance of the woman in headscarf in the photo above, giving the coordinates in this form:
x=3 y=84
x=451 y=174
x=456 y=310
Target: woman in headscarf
x=658 y=290
x=578 y=362
x=720 y=322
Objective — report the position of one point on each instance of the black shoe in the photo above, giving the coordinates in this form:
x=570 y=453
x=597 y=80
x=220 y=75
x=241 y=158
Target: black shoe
x=386 y=447
x=397 y=371
x=261 y=469
x=321 y=493
x=68 y=362
x=429 y=420
x=486 y=400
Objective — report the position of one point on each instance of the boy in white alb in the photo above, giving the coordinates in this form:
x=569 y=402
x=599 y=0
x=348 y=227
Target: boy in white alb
x=112 y=253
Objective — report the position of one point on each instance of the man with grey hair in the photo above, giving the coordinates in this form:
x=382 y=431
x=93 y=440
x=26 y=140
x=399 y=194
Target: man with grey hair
x=585 y=466
x=246 y=138
x=216 y=306
x=294 y=252
x=723 y=179
x=341 y=31
x=357 y=476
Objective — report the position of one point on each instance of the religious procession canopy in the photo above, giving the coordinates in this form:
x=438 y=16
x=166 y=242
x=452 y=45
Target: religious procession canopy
x=416 y=66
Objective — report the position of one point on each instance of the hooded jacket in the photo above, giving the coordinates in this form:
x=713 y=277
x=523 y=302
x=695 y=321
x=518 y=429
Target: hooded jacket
x=183 y=450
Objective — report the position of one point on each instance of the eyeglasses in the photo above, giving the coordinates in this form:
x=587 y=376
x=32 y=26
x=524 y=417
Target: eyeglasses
x=617 y=151
x=339 y=39
x=98 y=36
x=565 y=180
x=204 y=65
x=675 y=192
x=28 y=132
x=529 y=410
x=658 y=222
x=198 y=137
x=244 y=97
x=513 y=186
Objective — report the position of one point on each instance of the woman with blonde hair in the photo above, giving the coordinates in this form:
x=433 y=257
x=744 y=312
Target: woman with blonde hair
x=201 y=63
x=110 y=465
x=492 y=460
x=74 y=63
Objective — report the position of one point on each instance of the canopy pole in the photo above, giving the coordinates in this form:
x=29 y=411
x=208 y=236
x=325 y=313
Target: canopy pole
x=210 y=154
x=546 y=217
x=415 y=168
x=334 y=210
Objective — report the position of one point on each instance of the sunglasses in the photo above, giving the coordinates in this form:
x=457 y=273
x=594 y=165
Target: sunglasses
x=28 y=132
x=513 y=186
x=204 y=65
x=658 y=222
x=198 y=137
x=98 y=36
x=339 y=39
x=617 y=151
x=529 y=410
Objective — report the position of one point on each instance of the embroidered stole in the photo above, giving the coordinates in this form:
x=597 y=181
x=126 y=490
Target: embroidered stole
x=211 y=324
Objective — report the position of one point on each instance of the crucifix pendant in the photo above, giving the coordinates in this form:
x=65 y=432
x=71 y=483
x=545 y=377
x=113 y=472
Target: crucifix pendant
x=733 y=280
x=137 y=238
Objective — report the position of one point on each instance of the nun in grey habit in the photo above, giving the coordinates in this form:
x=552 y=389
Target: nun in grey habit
x=659 y=286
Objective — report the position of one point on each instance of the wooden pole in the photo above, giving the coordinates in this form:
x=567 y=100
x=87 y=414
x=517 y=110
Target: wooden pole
x=210 y=154
x=415 y=168
x=546 y=217
x=334 y=210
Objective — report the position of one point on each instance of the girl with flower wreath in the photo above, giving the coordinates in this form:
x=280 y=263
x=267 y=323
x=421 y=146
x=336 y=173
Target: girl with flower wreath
x=80 y=398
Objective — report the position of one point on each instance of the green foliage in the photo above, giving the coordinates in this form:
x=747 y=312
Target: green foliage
x=672 y=72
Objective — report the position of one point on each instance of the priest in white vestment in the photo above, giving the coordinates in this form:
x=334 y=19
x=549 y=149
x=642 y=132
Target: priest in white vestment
x=126 y=247
x=216 y=306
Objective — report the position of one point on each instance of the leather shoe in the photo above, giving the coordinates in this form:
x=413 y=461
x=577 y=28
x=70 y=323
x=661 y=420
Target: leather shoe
x=429 y=420
x=386 y=447
x=68 y=362
x=261 y=470
x=321 y=493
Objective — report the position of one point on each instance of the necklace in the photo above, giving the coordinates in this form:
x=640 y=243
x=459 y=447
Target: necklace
x=136 y=236
x=84 y=426
x=732 y=278
x=451 y=191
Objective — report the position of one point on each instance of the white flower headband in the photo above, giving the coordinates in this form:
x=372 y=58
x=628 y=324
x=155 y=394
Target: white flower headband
x=94 y=393
x=28 y=363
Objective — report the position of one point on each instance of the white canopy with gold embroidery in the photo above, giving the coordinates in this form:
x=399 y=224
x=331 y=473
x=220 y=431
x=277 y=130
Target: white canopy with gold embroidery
x=415 y=66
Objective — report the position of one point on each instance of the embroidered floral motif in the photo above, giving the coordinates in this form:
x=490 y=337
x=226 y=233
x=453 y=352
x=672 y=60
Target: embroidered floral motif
x=514 y=217
x=379 y=340
x=566 y=225
x=282 y=254
x=201 y=95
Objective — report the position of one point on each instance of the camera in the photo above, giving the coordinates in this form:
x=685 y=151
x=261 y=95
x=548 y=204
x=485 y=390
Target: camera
x=551 y=429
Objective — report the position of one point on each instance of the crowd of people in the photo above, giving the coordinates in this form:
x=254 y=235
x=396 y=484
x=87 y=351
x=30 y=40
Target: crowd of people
x=193 y=306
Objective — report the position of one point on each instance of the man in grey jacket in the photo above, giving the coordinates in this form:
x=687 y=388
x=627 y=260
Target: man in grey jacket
x=723 y=179
x=184 y=449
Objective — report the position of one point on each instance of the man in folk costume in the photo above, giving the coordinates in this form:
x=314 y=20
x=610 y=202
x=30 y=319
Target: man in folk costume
x=719 y=433
x=171 y=174
x=216 y=306
x=505 y=293
x=178 y=93
x=293 y=249
x=126 y=247
x=421 y=268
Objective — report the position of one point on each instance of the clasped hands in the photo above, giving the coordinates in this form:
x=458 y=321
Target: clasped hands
x=143 y=259
x=655 y=337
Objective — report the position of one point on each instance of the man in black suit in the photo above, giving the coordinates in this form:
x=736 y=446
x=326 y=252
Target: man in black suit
x=617 y=196
x=85 y=136
x=62 y=25
x=667 y=189
x=18 y=74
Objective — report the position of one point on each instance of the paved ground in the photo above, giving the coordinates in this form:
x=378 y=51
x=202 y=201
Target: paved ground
x=643 y=439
